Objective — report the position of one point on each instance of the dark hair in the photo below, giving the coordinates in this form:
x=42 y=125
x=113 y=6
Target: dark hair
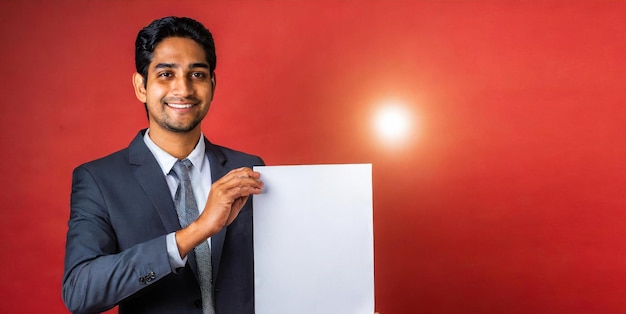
x=150 y=36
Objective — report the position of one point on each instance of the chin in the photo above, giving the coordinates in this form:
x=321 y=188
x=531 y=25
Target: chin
x=182 y=129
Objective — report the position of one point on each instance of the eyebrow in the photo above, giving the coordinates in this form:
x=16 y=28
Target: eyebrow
x=175 y=65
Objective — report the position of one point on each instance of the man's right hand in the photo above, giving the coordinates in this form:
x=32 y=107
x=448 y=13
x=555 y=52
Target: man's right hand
x=227 y=197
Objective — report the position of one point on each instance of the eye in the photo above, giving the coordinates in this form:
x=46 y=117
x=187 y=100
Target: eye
x=198 y=75
x=165 y=74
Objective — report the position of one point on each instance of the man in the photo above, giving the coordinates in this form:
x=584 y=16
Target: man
x=129 y=243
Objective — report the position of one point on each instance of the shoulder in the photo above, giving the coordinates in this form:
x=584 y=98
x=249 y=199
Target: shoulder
x=229 y=152
x=120 y=160
x=117 y=161
x=234 y=156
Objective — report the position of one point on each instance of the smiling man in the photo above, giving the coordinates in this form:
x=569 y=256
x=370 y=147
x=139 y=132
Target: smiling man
x=165 y=225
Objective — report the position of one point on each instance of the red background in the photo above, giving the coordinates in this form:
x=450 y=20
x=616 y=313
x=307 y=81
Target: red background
x=508 y=196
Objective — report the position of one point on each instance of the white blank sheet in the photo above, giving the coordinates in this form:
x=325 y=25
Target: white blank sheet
x=313 y=240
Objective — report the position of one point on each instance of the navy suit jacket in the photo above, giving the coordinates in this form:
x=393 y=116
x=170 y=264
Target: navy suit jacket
x=121 y=211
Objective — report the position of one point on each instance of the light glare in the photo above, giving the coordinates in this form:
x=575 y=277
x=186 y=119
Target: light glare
x=392 y=122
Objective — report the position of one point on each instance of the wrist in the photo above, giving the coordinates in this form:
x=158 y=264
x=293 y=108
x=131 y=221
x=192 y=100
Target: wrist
x=191 y=236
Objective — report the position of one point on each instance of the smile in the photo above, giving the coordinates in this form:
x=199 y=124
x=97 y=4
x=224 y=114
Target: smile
x=180 y=106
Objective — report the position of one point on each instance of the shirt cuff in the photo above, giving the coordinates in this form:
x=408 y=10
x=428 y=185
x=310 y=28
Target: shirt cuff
x=176 y=261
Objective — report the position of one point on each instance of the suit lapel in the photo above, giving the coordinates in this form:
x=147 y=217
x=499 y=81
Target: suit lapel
x=218 y=170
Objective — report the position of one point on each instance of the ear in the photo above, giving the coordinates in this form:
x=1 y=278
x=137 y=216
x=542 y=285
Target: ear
x=213 y=82
x=140 y=89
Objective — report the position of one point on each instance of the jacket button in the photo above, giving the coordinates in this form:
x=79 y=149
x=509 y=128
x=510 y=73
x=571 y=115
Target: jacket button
x=198 y=303
x=142 y=280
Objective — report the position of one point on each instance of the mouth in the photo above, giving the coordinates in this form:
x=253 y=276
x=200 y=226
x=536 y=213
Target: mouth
x=179 y=106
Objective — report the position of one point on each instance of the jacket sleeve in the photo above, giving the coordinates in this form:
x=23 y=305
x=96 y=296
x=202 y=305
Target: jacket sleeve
x=97 y=275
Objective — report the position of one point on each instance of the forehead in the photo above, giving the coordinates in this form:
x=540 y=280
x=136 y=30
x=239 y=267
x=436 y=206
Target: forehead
x=178 y=50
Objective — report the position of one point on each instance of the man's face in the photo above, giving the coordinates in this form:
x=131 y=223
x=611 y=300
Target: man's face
x=179 y=86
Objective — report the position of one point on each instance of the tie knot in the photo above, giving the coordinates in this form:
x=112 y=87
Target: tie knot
x=181 y=168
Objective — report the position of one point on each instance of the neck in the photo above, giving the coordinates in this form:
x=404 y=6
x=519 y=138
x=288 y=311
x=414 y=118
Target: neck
x=177 y=144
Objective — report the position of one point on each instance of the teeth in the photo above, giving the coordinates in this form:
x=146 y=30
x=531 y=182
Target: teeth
x=180 y=106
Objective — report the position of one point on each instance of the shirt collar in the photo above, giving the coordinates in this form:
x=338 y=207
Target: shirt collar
x=167 y=161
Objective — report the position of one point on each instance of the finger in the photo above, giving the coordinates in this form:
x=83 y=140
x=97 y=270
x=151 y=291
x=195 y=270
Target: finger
x=244 y=172
x=238 y=173
x=239 y=178
x=240 y=185
x=227 y=192
x=242 y=190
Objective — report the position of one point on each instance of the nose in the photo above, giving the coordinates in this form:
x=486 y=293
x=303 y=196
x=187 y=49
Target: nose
x=182 y=87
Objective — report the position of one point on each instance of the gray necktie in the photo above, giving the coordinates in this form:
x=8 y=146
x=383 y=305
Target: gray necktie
x=187 y=210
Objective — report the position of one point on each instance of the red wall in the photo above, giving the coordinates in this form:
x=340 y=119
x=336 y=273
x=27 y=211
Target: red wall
x=509 y=195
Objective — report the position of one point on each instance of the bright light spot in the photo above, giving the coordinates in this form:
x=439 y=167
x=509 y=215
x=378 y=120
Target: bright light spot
x=393 y=122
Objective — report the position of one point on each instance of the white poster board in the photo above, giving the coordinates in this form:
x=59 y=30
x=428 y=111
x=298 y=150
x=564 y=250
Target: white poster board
x=313 y=240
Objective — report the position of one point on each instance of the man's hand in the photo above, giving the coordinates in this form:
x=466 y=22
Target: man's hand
x=227 y=197
x=225 y=201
